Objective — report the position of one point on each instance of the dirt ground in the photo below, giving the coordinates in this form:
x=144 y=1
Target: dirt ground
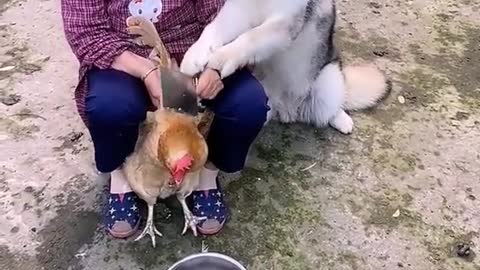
x=401 y=192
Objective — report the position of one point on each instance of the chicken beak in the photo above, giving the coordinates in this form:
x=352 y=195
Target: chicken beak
x=177 y=176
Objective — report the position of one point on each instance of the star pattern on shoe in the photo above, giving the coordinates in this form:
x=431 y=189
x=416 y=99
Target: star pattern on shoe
x=122 y=207
x=209 y=204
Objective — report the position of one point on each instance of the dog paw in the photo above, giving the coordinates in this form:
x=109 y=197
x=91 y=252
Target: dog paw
x=196 y=57
x=226 y=60
x=342 y=122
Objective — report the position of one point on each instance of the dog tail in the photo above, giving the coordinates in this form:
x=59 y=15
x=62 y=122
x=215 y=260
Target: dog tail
x=366 y=86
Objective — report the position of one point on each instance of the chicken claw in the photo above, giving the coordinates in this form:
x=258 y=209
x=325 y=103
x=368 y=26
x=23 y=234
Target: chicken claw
x=150 y=227
x=191 y=221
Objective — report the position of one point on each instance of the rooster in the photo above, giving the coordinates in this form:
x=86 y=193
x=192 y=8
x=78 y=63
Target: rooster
x=166 y=162
x=171 y=149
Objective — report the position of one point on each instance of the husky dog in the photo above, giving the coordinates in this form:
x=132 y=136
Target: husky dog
x=290 y=42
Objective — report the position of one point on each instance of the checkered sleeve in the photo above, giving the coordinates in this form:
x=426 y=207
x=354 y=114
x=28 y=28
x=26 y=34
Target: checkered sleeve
x=207 y=10
x=88 y=32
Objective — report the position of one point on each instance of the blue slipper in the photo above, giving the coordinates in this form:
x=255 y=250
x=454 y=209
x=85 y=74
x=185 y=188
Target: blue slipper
x=122 y=215
x=210 y=204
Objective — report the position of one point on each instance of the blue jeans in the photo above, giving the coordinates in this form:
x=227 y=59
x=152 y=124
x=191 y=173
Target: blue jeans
x=117 y=103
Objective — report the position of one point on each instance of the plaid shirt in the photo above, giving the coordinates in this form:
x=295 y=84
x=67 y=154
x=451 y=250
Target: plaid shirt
x=96 y=32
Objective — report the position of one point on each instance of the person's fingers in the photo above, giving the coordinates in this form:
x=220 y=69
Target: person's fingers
x=209 y=95
x=201 y=85
x=202 y=92
x=154 y=101
x=208 y=89
x=160 y=101
x=215 y=91
x=220 y=86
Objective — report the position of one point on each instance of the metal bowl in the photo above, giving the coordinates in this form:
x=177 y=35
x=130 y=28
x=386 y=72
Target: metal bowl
x=207 y=261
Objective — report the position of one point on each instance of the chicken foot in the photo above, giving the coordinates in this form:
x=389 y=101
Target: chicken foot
x=149 y=227
x=191 y=221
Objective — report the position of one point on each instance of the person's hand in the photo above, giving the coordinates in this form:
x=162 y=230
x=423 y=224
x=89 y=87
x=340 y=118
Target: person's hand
x=209 y=84
x=154 y=88
x=138 y=67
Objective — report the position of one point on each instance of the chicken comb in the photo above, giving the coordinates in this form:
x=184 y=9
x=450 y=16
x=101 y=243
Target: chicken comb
x=183 y=164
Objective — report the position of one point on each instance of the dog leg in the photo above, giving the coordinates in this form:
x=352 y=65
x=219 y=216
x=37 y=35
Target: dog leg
x=232 y=20
x=342 y=122
x=251 y=47
x=325 y=98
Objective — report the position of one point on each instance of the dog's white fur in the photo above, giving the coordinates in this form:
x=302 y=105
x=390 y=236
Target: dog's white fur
x=283 y=41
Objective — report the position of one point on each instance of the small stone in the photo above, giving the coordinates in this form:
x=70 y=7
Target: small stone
x=456 y=123
x=15 y=229
x=463 y=250
x=401 y=99
x=471 y=197
x=11 y=99
x=462 y=116
x=380 y=53
x=38 y=59
x=75 y=136
x=7 y=68
x=33 y=229
x=374 y=5
x=400 y=265
x=396 y=214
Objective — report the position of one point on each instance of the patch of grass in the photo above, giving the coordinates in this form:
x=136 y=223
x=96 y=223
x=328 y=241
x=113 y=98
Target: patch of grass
x=422 y=88
x=457 y=60
x=394 y=161
x=350 y=41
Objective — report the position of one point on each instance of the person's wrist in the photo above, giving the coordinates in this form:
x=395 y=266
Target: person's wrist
x=132 y=64
x=148 y=73
x=216 y=71
x=152 y=81
x=145 y=67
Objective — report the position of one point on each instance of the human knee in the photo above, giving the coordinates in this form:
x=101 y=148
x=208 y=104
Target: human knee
x=115 y=101
x=251 y=106
x=116 y=112
x=253 y=111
